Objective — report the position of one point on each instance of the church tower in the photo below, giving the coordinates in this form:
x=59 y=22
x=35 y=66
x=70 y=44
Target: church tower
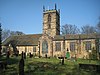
x=51 y=22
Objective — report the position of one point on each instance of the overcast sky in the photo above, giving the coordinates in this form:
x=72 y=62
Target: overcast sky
x=27 y=15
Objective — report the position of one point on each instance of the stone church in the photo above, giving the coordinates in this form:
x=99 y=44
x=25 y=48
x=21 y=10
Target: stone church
x=51 y=43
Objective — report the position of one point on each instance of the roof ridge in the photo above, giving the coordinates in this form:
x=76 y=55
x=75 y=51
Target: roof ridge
x=26 y=35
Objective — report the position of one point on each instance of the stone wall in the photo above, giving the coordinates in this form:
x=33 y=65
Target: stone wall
x=79 y=51
x=27 y=49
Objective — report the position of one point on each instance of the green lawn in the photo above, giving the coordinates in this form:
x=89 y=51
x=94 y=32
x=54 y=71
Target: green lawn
x=43 y=66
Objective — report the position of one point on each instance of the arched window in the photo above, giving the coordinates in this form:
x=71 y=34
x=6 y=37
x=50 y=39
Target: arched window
x=44 y=47
x=58 y=46
x=72 y=46
x=88 y=45
x=49 y=18
x=49 y=21
x=34 y=49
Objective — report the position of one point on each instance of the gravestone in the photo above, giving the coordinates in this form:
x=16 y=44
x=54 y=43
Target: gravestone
x=24 y=55
x=98 y=68
x=21 y=65
x=90 y=67
x=3 y=65
x=62 y=61
x=31 y=55
x=45 y=55
x=17 y=53
x=8 y=54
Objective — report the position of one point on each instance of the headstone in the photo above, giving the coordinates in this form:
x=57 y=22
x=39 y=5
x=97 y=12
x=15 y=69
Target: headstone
x=31 y=55
x=98 y=68
x=24 y=55
x=62 y=61
x=75 y=57
x=45 y=55
x=3 y=65
x=17 y=52
x=8 y=54
x=21 y=66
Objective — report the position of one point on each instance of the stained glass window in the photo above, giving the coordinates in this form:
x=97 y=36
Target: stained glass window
x=45 y=47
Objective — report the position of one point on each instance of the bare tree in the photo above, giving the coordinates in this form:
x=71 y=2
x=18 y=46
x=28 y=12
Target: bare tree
x=16 y=33
x=13 y=44
x=87 y=29
x=98 y=26
x=69 y=29
x=6 y=33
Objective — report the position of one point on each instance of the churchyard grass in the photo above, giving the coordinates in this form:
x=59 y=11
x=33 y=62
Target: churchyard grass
x=46 y=66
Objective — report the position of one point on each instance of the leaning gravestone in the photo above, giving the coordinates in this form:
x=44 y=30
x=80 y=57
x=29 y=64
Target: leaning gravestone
x=21 y=65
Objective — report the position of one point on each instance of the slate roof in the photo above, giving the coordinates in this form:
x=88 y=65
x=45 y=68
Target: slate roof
x=23 y=39
x=30 y=40
x=76 y=36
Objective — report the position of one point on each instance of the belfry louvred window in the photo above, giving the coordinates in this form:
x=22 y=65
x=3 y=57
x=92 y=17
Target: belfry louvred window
x=49 y=21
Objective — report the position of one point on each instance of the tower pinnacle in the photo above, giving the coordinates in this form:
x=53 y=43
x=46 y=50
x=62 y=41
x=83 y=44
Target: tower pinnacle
x=55 y=6
x=43 y=8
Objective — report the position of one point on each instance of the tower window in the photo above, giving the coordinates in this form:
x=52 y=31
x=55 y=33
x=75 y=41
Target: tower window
x=49 y=21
